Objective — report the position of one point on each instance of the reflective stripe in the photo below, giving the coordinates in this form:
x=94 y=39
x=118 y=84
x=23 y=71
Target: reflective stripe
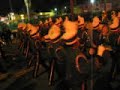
x=72 y=39
x=77 y=60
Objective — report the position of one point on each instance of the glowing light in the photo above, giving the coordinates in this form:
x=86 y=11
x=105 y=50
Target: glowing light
x=65 y=7
x=92 y=1
x=22 y=16
x=55 y=9
x=41 y=13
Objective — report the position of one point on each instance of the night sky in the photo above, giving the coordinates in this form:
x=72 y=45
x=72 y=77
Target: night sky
x=37 y=5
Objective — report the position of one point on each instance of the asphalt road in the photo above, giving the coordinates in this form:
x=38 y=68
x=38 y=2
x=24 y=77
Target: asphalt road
x=19 y=76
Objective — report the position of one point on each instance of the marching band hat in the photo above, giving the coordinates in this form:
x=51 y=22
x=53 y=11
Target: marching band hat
x=29 y=27
x=60 y=19
x=104 y=12
x=113 y=13
x=50 y=19
x=22 y=26
x=46 y=22
x=118 y=14
x=47 y=38
x=115 y=24
x=40 y=22
x=57 y=21
x=70 y=35
x=33 y=30
x=96 y=22
x=81 y=21
x=54 y=33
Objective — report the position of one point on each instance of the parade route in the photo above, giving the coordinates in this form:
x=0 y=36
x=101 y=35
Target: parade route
x=20 y=77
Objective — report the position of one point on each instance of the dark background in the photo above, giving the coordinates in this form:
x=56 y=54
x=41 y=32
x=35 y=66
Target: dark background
x=36 y=5
x=18 y=6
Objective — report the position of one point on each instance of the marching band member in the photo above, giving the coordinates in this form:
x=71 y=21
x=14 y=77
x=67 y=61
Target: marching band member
x=83 y=32
x=54 y=32
x=71 y=30
x=104 y=34
x=114 y=38
x=81 y=22
x=72 y=50
x=3 y=68
x=50 y=22
x=104 y=18
x=103 y=65
x=96 y=31
x=45 y=29
x=34 y=31
x=115 y=30
x=115 y=24
x=53 y=38
x=22 y=26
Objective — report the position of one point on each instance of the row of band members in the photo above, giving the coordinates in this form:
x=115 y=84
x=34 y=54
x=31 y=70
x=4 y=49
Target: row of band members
x=69 y=32
x=67 y=29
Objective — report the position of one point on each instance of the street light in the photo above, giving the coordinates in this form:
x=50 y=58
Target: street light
x=55 y=9
x=92 y=1
x=65 y=7
x=22 y=17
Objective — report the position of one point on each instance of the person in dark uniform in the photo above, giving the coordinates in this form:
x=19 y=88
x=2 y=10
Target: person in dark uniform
x=44 y=30
x=73 y=77
x=2 y=58
x=103 y=65
x=21 y=34
x=114 y=28
x=53 y=40
x=96 y=31
x=83 y=33
x=114 y=37
x=104 y=35
x=104 y=19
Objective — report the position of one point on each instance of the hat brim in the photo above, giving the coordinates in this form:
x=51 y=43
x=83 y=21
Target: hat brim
x=73 y=42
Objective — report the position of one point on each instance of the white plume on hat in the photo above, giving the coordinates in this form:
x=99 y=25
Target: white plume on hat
x=66 y=21
x=66 y=18
x=71 y=29
x=40 y=22
x=118 y=14
x=57 y=21
x=46 y=37
x=22 y=26
x=81 y=20
x=60 y=19
x=50 y=19
x=54 y=32
x=96 y=22
x=29 y=27
x=46 y=22
x=115 y=23
x=33 y=30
